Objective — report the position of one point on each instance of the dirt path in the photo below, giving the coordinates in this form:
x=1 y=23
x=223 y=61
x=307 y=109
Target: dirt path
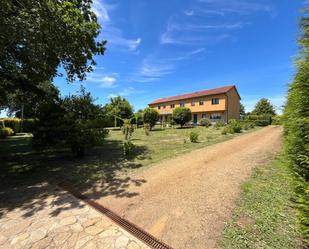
x=186 y=200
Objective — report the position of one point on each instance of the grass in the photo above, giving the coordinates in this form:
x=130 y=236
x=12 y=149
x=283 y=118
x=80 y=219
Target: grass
x=264 y=216
x=104 y=162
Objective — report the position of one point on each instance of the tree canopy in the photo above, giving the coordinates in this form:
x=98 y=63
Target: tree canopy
x=182 y=115
x=39 y=36
x=263 y=106
x=150 y=116
x=118 y=107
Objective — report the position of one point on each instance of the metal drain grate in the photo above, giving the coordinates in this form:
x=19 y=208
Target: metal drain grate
x=125 y=224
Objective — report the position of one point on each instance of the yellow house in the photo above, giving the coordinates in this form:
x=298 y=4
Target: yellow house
x=218 y=104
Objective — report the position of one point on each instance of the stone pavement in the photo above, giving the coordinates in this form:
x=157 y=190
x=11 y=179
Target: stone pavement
x=42 y=216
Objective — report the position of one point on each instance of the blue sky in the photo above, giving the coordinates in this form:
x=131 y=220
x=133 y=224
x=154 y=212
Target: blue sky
x=162 y=48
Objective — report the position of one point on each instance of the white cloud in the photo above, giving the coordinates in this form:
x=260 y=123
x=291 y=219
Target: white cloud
x=126 y=92
x=238 y=6
x=189 y=12
x=110 y=32
x=103 y=80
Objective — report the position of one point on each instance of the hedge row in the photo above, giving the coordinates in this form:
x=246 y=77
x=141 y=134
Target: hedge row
x=18 y=126
x=296 y=131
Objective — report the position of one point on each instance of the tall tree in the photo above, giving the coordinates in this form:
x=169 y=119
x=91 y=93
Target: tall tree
x=264 y=107
x=39 y=36
x=182 y=115
x=118 y=107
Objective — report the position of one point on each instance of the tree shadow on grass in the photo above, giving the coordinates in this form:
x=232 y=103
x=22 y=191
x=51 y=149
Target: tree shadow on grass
x=25 y=174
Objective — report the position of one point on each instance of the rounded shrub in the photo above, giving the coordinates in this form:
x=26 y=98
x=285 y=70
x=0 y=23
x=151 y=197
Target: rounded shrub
x=234 y=126
x=128 y=148
x=13 y=123
x=194 y=137
x=205 y=122
x=6 y=132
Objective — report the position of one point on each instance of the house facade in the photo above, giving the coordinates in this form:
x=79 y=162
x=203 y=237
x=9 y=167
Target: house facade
x=218 y=104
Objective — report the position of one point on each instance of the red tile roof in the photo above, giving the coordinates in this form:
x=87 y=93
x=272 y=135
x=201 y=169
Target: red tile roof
x=213 y=91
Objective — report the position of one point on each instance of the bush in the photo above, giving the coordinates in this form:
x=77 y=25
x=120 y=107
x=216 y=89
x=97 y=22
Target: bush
x=13 y=123
x=276 y=120
x=205 y=122
x=182 y=115
x=150 y=116
x=194 y=137
x=234 y=126
x=260 y=120
x=128 y=148
x=224 y=131
x=218 y=124
x=127 y=129
x=6 y=132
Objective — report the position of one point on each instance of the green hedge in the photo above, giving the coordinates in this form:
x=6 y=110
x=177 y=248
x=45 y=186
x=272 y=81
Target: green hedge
x=260 y=120
x=13 y=123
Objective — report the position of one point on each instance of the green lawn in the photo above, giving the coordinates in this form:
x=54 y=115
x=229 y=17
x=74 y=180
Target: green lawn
x=264 y=217
x=20 y=162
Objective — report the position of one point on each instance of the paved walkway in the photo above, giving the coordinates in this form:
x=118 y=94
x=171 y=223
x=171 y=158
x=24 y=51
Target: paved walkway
x=43 y=217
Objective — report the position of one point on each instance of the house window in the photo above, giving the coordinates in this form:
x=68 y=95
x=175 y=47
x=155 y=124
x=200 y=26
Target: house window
x=172 y=106
x=215 y=101
x=201 y=102
x=159 y=107
x=193 y=103
x=215 y=116
x=164 y=106
x=182 y=104
x=203 y=115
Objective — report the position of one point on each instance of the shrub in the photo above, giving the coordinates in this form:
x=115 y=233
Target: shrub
x=276 y=120
x=205 y=122
x=5 y=132
x=194 y=137
x=128 y=148
x=218 y=124
x=147 y=129
x=260 y=120
x=13 y=123
x=224 y=131
x=127 y=129
x=234 y=126
x=182 y=115
x=150 y=116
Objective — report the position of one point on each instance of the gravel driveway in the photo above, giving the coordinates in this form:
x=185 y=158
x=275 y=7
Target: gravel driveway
x=186 y=200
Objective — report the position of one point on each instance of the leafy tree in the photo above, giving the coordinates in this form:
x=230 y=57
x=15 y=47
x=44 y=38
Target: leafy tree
x=39 y=36
x=138 y=120
x=296 y=128
x=150 y=117
x=26 y=104
x=264 y=107
x=118 y=107
x=242 y=110
x=182 y=115
x=74 y=121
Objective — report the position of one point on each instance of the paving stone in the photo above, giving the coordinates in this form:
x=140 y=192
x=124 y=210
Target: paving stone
x=37 y=235
x=60 y=238
x=3 y=239
x=93 y=230
x=76 y=227
x=81 y=242
x=68 y=220
x=43 y=244
x=113 y=232
x=19 y=238
x=121 y=242
x=133 y=245
x=91 y=222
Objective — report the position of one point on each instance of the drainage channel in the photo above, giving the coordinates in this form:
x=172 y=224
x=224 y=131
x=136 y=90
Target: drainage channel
x=136 y=231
